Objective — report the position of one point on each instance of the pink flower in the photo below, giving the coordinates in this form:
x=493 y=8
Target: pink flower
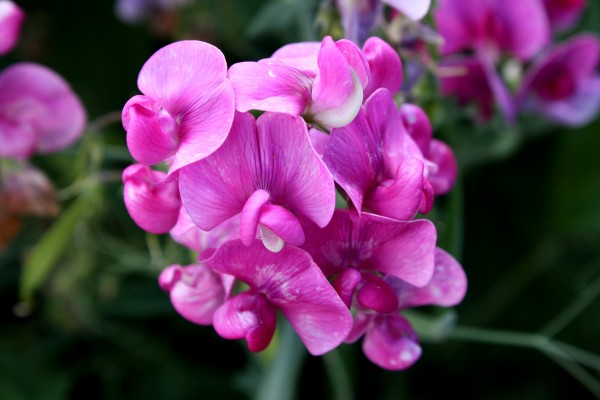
x=325 y=83
x=564 y=84
x=378 y=164
x=39 y=112
x=11 y=19
x=492 y=27
x=288 y=281
x=267 y=171
x=187 y=108
x=151 y=202
x=564 y=13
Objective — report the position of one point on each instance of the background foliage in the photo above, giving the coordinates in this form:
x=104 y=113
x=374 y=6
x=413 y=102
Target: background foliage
x=82 y=316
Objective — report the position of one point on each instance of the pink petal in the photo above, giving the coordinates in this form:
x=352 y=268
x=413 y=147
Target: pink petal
x=373 y=243
x=442 y=155
x=151 y=202
x=361 y=323
x=377 y=295
x=147 y=142
x=413 y=9
x=417 y=125
x=459 y=22
x=269 y=86
x=282 y=223
x=356 y=59
x=186 y=233
x=563 y=14
x=38 y=102
x=391 y=343
x=447 y=286
x=189 y=81
x=399 y=198
x=302 y=56
x=294 y=284
x=251 y=215
x=345 y=284
x=11 y=18
x=196 y=291
x=247 y=316
x=384 y=64
x=319 y=140
x=579 y=109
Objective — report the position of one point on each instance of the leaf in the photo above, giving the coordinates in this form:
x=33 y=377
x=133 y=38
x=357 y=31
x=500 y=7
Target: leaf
x=48 y=251
x=273 y=17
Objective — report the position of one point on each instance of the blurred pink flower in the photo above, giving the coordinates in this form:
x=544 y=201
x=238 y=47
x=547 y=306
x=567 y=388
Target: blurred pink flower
x=11 y=18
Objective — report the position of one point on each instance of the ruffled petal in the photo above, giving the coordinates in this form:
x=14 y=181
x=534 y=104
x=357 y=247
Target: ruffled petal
x=384 y=65
x=196 y=291
x=151 y=202
x=269 y=86
x=294 y=284
x=11 y=19
x=391 y=343
x=247 y=316
x=41 y=102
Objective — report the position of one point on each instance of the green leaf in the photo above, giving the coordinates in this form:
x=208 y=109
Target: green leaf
x=48 y=251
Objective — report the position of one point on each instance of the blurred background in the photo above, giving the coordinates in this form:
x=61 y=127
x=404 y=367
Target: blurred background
x=82 y=315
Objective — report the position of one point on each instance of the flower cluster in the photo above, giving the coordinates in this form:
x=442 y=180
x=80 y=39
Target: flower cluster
x=256 y=197
x=560 y=81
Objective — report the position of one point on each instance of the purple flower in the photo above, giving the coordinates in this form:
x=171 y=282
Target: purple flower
x=135 y=10
x=389 y=340
x=151 y=202
x=378 y=164
x=39 y=112
x=267 y=171
x=288 y=281
x=11 y=19
x=360 y=17
x=475 y=80
x=491 y=27
x=564 y=84
x=187 y=108
x=564 y=13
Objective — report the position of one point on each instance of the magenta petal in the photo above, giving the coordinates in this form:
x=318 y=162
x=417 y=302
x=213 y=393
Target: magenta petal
x=417 y=125
x=384 y=64
x=391 y=343
x=580 y=108
x=356 y=60
x=503 y=98
x=151 y=202
x=282 y=223
x=302 y=56
x=377 y=295
x=459 y=23
x=413 y=9
x=293 y=283
x=196 y=291
x=361 y=323
x=345 y=284
x=247 y=316
x=442 y=155
x=186 y=233
x=269 y=86
x=11 y=18
x=399 y=198
x=39 y=102
x=146 y=141
x=319 y=140
x=446 y=288
x=251 y=215
x=563 y=14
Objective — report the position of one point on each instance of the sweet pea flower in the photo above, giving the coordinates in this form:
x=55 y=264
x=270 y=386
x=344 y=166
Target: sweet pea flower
x=563 y=14
x=360 y=17
x=267 y=171
x=378 y=164
x=288 y=281
x=474 y=80
x=186 y=109
x=492 y=27
x=444 y=169
x=389 y=340
x=39 y=112
x=11 y=19
x=151 y=202
x=564 y=84
x=196 y=291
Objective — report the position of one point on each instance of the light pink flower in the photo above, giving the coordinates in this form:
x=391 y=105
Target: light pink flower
x=11 y=19
x=267 y=171
x=39 y=112
x=151 y=202
x=187 y=108
x=288 y=281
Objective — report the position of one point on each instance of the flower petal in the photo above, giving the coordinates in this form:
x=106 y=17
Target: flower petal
x=251 y=215
x=293 y=283
x=11 y=19
x=391 y=343
x=384 y=65
x=282 y=223
x=413 y=9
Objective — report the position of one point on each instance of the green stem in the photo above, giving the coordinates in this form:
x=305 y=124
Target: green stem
x=338 y=376
x=279 y=380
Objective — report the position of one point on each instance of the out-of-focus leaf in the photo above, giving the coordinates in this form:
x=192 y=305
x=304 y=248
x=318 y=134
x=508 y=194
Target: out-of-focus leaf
x=48 y=251
x=274 y=16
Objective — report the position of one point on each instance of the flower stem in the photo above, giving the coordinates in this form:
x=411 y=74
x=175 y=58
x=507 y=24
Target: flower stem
x=279 y=380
